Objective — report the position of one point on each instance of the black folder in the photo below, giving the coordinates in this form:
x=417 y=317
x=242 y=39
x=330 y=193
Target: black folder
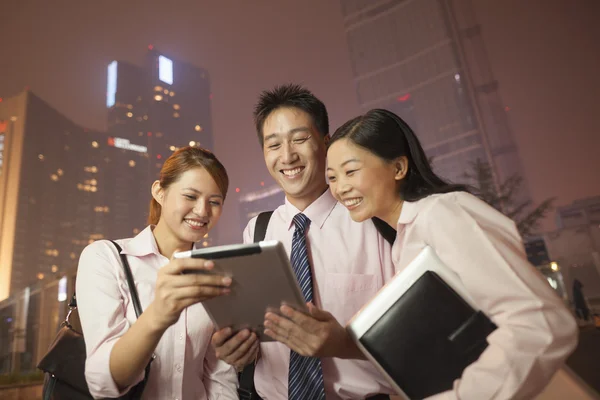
x=426 y=336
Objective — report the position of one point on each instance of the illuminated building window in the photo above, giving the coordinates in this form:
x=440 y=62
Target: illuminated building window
x=41 y=157
x=198 y=128
x=13 y=118
x=130 y=106
x=158 y=97
x=166 y=91
x=93 y=169
x=205 y=243
x=73 y=256
x=93 y=189
x=175 y=115
x=54 y=177
x=145 y=118
x=171 y=93
x=131 y=163
x=40 y=276
x=140 y=133
x=158 y=88
x=129 y=114
x=165 y=70
x=54 y=268
x=176 y=106
x=95 y=144
x=192 y=143
x=136 y=231
x=60 y=172
x=172 y=148
x=159 y=134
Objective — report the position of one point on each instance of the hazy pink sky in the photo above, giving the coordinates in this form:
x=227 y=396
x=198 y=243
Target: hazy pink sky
x=543 y=53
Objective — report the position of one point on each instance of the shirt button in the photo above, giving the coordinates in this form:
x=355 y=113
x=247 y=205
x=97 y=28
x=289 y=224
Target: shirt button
x=178 y=367
x=181 y=336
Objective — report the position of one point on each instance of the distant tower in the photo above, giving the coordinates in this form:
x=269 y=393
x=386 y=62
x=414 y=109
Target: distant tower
x=426 y=61
x=162 y=105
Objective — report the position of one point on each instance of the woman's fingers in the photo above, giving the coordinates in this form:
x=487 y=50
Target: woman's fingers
x=177 y=281
x=198 y=293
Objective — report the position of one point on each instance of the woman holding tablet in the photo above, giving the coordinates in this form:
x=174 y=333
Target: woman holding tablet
x=377 y=168
x=187 y=202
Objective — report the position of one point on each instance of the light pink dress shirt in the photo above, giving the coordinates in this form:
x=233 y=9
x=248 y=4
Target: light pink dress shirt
x=185 y=366
x=535 y=331
x=350 y=262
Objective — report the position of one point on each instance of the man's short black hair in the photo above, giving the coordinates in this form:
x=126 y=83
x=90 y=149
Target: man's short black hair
x=292 y=96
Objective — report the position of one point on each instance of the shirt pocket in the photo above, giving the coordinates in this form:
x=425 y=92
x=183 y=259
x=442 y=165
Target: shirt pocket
x=346 y=294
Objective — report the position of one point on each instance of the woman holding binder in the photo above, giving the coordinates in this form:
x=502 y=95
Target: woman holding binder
x=187 y=201
x=377 y=168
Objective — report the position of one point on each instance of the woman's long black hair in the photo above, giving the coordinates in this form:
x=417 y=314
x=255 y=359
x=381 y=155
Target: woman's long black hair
x=386 y=135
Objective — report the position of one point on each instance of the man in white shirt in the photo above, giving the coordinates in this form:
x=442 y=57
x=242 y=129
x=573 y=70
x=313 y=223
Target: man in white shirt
x=349 y=261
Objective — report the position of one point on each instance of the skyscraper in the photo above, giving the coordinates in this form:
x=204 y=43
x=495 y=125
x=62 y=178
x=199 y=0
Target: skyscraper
x=61 y=187
x=162 y=105
x=425 y=60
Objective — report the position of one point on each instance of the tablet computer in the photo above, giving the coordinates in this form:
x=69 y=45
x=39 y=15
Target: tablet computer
x=263 y=279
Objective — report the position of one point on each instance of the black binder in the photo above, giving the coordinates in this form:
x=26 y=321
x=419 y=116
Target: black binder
x=424 y=335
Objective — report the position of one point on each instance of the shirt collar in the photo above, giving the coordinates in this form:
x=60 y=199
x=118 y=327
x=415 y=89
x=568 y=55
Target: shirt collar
x=408 y=213
x=317 y=211
x=142 y=244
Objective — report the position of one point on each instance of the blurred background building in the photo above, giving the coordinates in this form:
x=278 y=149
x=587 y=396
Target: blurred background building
x=426 y=61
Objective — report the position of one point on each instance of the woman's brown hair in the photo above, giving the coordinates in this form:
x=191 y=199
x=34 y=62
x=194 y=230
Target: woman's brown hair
x=183 y=160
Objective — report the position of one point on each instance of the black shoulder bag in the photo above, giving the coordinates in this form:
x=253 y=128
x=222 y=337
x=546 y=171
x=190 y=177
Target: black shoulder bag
x=64 y=363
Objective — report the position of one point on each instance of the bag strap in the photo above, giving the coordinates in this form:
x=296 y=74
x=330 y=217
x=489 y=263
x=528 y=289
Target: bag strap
x=385 y=230
x=130 y=282
x=73 y=302
x=262 y=222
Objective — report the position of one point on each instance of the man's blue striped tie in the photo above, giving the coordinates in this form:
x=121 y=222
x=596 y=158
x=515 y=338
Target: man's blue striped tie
x=305 y=380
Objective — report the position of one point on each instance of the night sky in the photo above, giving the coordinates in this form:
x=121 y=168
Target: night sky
x=544 y=53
